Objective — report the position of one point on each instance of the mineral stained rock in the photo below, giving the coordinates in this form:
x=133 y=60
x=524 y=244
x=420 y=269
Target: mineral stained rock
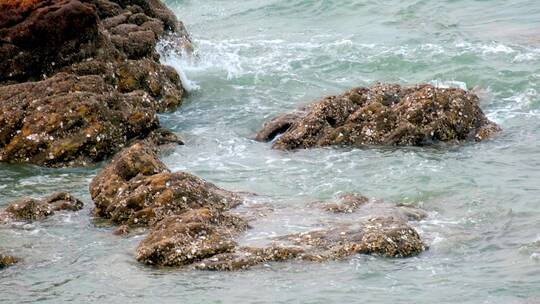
x=6 y=260
x=137 y=189
x=79 y=80
x=29 y=209
x=383 y=114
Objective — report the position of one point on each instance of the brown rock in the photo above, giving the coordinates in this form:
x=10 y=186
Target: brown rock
x=104 y=86
x=190 y=237
x=137 y=189
x=383 y=115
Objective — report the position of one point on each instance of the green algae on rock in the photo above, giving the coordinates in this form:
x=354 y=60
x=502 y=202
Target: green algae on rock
x=383 y=114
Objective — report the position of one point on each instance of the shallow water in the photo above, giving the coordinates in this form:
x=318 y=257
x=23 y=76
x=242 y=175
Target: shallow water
x=259 y=58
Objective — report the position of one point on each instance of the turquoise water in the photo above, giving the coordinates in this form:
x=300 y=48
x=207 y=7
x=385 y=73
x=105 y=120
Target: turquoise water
x=256 y=59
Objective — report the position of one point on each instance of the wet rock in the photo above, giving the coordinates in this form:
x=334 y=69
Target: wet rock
x=71 y=120
x=29 y=209
x=383 y=115
x=137 y=189
x=6 y=260
x=192 y=236
x=246 y=257
x=78 y=89
x=383 y=236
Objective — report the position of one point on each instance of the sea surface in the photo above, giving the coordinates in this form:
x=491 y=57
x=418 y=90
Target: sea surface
x=255 y=59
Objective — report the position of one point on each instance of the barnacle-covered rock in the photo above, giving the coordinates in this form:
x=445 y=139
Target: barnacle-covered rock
x=29 y=209
x=189 y=237
x=137 y=189
x=383 y=114
x=82 y=79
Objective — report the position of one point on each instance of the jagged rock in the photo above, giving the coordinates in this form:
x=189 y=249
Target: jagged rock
x=6 y=260
x=192 y=236
x=104 y=83
x=137 y=189
x=383 y=115
x=29 y=209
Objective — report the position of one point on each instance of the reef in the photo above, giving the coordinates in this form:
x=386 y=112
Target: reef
x=383 y=114
x=79 y=80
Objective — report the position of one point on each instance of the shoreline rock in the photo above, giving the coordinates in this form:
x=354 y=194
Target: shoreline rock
x=75 y=92
x=383 y=114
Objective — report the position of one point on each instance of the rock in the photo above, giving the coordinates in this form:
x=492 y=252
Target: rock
x=37 y=37
x=192 y=236
x=77 y=89
x=29 y=209
x=246 y=257
x=383 y=115
x=383 y=236
x=137 y=189
x=6 y=260
x=71 y=120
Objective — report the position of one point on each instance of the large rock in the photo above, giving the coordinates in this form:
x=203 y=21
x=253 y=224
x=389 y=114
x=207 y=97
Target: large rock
x=137 y=189
x=190 y=237
x=82 y=79
x=383 y=115
x=29 y=209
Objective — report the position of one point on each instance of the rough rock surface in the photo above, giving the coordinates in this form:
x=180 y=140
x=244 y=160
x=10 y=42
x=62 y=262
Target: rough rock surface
x=6 y=260
x=29 y=209
x=384 y=114
x=383 y=236
x=137 y=189
x=189 y=237
x=82 y=79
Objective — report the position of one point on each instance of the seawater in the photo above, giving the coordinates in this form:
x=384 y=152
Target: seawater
x=255 y=59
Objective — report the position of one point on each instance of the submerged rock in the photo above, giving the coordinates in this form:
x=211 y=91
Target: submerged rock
x=137 y=189
x=6 y=260
x=82 y=79
x=355 y=203
x=383 y=115
x=29 y=209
